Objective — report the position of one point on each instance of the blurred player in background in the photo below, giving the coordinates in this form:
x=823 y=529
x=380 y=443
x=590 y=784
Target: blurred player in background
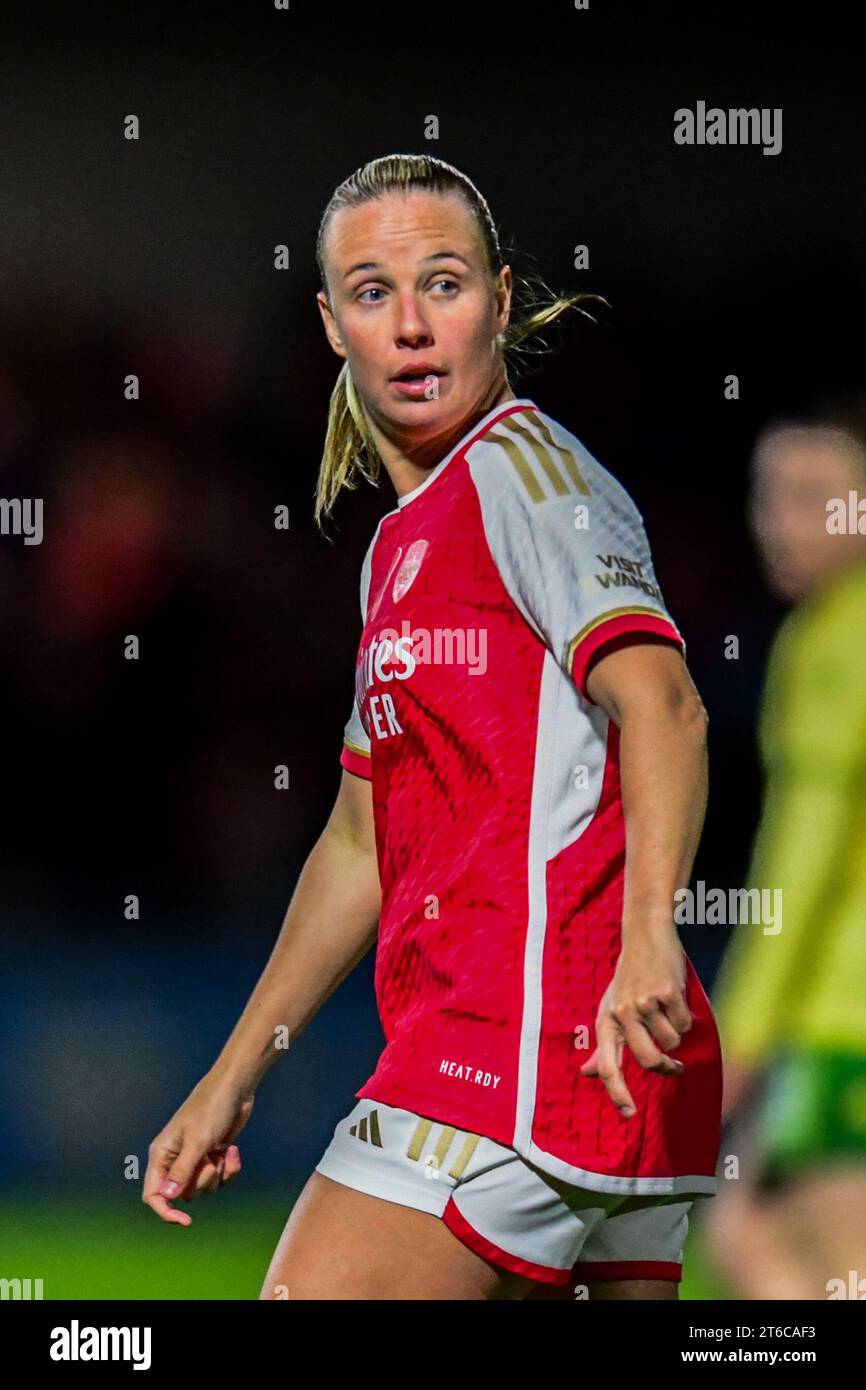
x=520 y=698
x=791 y=1004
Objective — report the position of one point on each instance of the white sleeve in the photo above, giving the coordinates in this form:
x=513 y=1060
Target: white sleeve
x=356 y=745
x=568 y=541
x=355 y=755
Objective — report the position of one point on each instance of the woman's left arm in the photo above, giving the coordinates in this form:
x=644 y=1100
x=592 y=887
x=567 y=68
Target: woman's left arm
x=646 y=689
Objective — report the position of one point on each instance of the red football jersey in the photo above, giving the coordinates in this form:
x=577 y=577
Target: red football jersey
x=499 y=825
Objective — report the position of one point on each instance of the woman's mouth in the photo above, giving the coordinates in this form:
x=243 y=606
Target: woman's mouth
x=418 y=385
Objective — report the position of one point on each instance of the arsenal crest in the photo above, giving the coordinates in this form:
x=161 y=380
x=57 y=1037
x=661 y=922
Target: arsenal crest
x=405 y=576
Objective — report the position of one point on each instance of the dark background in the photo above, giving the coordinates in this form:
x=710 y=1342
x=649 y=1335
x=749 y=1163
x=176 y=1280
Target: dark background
x=155 y=257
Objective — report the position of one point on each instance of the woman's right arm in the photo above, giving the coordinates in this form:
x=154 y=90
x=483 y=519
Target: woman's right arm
x=330 y=924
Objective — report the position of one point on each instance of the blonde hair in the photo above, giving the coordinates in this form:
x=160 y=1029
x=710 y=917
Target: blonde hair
x=350 y=452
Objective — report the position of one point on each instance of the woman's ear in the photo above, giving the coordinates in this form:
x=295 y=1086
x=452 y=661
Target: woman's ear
x=330 y=324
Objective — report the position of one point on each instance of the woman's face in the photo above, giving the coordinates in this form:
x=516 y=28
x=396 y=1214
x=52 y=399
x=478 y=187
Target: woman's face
x=410 y=289
x=795 y=472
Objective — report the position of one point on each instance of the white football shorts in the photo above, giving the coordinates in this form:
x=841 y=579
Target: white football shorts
x=503 y=1207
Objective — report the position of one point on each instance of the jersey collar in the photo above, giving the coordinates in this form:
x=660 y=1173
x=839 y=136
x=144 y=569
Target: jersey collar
x=480 y=427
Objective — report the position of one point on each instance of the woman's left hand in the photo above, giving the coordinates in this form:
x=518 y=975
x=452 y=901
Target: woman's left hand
x=645 y=1006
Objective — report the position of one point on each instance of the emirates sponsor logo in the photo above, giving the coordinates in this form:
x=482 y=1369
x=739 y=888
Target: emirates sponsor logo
x=391 y=657
x=395 y=656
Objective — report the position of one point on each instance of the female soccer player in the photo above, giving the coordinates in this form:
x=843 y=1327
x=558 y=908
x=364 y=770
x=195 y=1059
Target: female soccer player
x=522 y=712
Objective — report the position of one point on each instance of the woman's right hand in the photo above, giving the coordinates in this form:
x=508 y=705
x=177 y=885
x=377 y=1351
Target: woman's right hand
x=194 y=1154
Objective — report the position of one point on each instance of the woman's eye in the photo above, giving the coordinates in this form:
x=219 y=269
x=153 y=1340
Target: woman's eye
x=377 y=289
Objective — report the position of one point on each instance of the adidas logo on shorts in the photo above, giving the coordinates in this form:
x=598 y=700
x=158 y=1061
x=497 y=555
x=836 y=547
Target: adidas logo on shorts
x=375 y=1134
x=369 y=1131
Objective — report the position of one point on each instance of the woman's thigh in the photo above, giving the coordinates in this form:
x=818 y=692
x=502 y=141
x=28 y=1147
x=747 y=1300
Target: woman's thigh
x=339 y=1243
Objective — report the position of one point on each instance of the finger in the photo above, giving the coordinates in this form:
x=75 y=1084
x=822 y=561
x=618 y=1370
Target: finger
x=232 y=1164
x=641 y=1043
x=162 y=1157
x=209 y=1182
x=207 y=1175
x=165 y=1210
x=227 y=1162
x=671 y=1013
x=678 y=1011
x=179 y=1180
x=610 y=1044
x=651 y=1013
x=590 y=1067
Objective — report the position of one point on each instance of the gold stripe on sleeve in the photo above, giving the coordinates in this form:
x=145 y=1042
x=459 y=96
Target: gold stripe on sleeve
x=542 y=454
x=567 y=456
x=603 y=618
x=365 y=752
x=524 y=472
